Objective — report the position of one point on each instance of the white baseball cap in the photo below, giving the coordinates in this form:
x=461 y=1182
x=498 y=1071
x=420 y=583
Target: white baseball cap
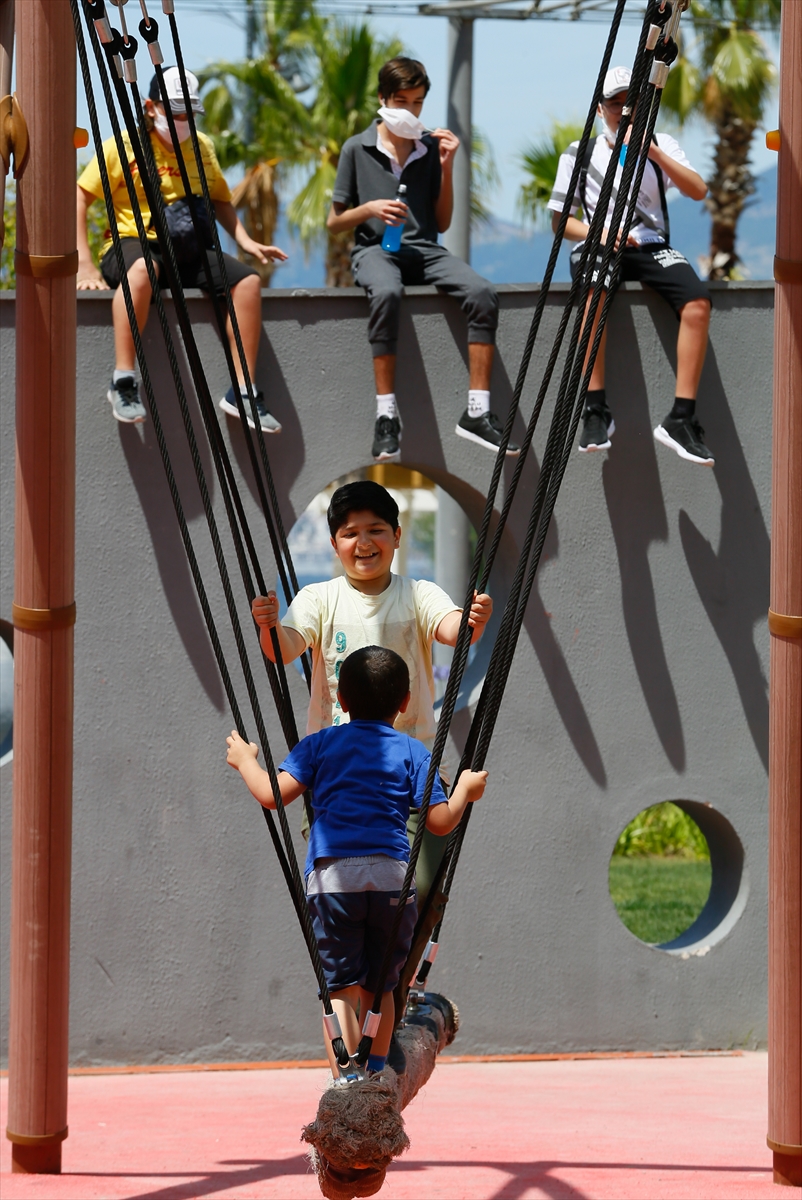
x=616 y=80
x=172 y=85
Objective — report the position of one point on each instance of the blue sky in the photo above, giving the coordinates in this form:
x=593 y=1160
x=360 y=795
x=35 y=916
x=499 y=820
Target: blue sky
x=525 y=74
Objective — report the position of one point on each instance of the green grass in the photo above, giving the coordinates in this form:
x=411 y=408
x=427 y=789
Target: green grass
x=658 y=897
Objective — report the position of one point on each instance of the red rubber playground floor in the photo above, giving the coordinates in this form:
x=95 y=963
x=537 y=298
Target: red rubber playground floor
x=617 y=1128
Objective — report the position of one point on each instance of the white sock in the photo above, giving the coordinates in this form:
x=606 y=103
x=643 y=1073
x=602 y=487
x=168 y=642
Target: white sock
x=478 y=403
x=386 y=405
x=118 y=375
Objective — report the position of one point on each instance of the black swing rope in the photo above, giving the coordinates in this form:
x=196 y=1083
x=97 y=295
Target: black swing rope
x=559 y=442
x=658 y=22
x=554 y=462
x=286 y=853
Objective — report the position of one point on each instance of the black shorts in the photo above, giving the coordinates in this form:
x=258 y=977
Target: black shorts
x=352 y=930
x=192 y=274
x=663 y=269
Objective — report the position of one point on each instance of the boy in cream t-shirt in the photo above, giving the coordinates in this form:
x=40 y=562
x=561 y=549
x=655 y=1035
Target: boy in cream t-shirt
x=369 y=606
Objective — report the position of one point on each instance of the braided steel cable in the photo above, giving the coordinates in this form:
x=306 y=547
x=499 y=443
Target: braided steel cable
x=276 y=529
x=233 y=502
x=225 y=475
x=156 y=417
x=463 y=639
x=564 y=424
x=292 y=872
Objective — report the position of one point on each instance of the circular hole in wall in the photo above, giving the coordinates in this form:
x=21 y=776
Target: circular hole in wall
x=6 y=692
x=437 y=544
x=677 y=877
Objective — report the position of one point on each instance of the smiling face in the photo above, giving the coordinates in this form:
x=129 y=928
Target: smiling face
x=365 y=545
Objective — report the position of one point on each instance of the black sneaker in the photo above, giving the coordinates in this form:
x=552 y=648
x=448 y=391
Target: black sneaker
x=485 y=430
x=386 y=439
x=598 y=427
x=123 y=396
x=684 y=435
x=267 y=422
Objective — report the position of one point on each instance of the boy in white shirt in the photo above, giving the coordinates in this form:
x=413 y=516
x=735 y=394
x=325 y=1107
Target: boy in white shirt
x=370 y=606
x=649 y=258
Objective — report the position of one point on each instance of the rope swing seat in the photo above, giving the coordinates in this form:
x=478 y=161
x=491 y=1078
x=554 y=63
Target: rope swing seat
x=359 y=1128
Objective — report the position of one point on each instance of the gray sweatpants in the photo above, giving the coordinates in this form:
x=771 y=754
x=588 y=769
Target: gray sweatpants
x=383 y=276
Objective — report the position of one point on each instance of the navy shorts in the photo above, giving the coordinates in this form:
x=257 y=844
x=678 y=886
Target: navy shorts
x=352 y=930
x=193 y=275
x=660 y=267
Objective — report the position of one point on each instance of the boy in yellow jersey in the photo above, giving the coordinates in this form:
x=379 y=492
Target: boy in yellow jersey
x=123 y=395
x=370 y=606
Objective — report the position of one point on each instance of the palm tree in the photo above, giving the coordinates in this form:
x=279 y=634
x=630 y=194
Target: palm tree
x=726 y=77
x=250 y=107
x=348 y=58
x=539 y=160
x=313 y=86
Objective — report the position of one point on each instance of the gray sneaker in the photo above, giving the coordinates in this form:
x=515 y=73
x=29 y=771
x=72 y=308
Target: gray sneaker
x=123 y=396
x=267 y=422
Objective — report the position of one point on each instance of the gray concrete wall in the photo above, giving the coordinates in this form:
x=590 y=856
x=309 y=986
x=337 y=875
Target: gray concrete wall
x=640 y=677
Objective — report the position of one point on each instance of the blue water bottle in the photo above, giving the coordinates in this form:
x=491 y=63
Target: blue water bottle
x=392 y=233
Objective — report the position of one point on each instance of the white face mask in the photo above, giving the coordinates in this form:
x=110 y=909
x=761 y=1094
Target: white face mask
x=402 y=123
x=610 y=134
x=160 y=124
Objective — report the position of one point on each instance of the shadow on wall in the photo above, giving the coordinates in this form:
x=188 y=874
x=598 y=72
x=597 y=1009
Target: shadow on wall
x=634 y=497
x=733 y=581
x=285 y=452
x=537 y=622
x=142 y=456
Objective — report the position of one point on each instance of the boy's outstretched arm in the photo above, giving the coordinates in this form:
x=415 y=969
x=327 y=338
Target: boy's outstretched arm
x=481 y=612
x=265 y=614
x=242 y=757
x=444 y=817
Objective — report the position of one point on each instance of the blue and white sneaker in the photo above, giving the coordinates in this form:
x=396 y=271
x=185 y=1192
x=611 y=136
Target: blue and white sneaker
x=267 y=422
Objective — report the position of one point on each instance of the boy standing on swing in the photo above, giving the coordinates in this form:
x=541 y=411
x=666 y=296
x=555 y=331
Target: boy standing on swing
x=364 y=779
x=369 y=605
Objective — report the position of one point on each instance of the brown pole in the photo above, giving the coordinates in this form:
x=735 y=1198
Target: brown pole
x=44 y=609
x=785 y=624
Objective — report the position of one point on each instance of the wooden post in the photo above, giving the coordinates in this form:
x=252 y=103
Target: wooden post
x=44 y=609
x=785 y=624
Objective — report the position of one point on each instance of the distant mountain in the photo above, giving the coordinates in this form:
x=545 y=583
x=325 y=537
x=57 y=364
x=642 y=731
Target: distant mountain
x=507 y=253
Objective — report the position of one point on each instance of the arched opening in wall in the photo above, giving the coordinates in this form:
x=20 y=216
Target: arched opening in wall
x=6 y=692
x=677 y=877
x=437 y=544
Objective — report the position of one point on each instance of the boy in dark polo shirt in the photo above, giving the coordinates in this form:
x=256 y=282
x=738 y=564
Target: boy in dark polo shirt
x=393 y=150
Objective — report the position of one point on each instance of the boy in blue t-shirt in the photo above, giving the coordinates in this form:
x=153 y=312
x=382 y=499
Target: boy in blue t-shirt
x=364 y=778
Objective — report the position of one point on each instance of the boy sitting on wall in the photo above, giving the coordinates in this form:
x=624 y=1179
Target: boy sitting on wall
x=123 y=393
x=395 y=150
x=365 y=778
x=369 y=605
x=649 y=258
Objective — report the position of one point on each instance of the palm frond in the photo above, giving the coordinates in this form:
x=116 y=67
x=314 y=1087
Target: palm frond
x=485 y=177
x=308 y=209
x=539 y=161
